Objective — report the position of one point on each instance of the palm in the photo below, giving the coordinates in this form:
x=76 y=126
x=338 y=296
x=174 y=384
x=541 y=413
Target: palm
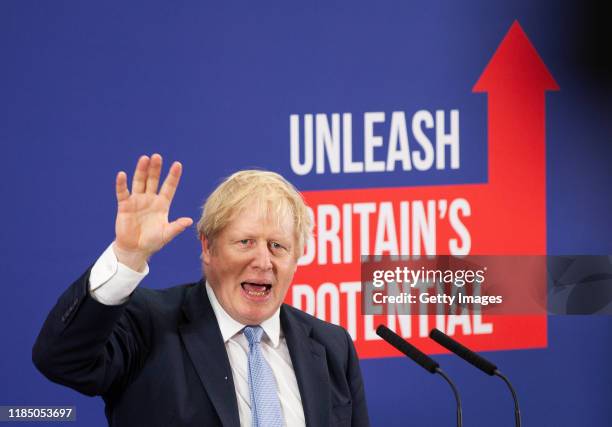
x=142 y=225
x=141 y=221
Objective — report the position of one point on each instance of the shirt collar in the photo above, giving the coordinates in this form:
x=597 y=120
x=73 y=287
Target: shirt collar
x=230 y=327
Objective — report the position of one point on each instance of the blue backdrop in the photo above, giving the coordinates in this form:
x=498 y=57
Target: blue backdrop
x=86 y=87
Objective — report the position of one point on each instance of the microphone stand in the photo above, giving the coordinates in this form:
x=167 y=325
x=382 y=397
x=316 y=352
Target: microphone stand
x=517 y=411
x=456 y=393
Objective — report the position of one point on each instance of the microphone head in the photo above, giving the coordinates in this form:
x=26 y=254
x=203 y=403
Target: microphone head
x=408 y=349
x=465 y=353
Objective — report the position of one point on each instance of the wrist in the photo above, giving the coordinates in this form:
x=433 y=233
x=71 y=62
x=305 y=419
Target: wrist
x=134 y=260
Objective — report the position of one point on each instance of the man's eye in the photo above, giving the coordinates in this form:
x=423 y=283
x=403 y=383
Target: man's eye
x=276 y=245
x=244 y=242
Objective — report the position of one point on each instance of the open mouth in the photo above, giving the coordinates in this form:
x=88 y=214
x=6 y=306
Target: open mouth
x=256 y=289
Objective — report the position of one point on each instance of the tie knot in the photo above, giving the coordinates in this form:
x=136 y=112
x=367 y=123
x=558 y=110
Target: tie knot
x=253 y=334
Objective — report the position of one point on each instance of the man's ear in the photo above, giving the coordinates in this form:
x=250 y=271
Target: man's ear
x=206 y=249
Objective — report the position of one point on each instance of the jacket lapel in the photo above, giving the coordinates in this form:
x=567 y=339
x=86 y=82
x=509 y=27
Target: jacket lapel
x=204 y=343
x=310 y=365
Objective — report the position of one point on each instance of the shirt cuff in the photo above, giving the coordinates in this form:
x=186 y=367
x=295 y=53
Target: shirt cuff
x=111 y=282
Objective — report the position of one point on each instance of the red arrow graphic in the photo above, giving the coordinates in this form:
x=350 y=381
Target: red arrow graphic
x=508 y=213
x=516 y=80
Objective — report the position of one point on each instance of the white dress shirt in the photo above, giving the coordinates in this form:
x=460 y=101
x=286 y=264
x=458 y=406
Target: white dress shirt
x=111 y=283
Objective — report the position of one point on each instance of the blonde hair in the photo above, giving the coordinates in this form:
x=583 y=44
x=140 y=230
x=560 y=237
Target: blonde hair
x=266 y=192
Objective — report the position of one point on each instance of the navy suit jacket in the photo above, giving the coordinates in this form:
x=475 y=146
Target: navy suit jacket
x=159 y=359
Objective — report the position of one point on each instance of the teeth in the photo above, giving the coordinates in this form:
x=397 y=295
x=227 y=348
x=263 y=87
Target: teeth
x=255 y=290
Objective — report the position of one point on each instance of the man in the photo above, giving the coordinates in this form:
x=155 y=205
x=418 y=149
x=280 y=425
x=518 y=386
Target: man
x=223 y=351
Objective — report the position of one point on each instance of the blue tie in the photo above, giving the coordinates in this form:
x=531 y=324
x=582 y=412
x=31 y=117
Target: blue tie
x=265 y=407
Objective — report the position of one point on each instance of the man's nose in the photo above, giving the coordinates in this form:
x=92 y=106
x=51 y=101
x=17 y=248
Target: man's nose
x=262 y=259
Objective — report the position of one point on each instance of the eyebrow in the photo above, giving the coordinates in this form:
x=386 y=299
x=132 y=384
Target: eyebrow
x=286 y=239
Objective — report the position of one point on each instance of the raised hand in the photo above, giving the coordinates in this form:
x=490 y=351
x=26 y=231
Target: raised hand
x=142 y=226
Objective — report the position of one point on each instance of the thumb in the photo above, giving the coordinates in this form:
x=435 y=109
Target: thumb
x=176 y=227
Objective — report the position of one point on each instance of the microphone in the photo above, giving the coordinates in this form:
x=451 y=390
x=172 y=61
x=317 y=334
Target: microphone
x=421 y=359
x=478 y=361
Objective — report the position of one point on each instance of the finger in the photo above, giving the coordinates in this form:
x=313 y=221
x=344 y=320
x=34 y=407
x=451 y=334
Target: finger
x=140 y=175
x=176 y=227
x=172 y=180
x=121 y=187
x=154 y=172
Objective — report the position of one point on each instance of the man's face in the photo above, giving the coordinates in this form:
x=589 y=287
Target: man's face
x=250 y=265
